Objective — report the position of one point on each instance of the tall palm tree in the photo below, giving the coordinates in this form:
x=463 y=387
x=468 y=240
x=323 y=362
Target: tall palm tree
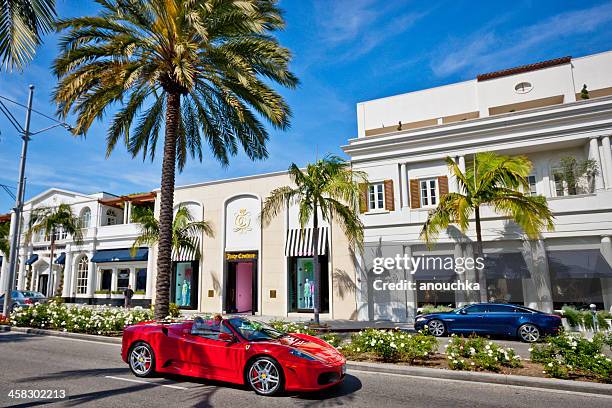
x=328 y=187
x=184 y=230
x=496 y=181
x=51 y=221
x=199 y=69
x=4 y=237
x=22 y=25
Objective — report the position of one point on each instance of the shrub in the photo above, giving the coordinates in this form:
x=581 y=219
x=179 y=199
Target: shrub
x=479 y=353
x=92 y=320
x=332 y=339
x=292 y=327
x=568 y=355
x=427 y=309
x=392 y=346
x=576 y=318
x=174 y=310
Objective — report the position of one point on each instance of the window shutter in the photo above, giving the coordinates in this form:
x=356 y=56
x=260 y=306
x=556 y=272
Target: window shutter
x=363 y=197
x=415 y=194
x=389 y=199
x=443 y=185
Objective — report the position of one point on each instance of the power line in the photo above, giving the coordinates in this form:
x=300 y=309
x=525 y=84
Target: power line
x=33 y=110
x=8 y=190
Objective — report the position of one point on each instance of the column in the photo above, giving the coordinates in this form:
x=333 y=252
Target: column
x=606 y=283
x=411 y=295
x=460 y=296
x=404 y=187
x=470 y=275
x=22 y=272
x=594 y=155
x=91 y=276
x=539 y=294
x=68 y=271
x=4 y=271
x=150 y=270
x=114 y=279
x=461 y=160
x=453 y=186
x=607 y=161
x=546 y=191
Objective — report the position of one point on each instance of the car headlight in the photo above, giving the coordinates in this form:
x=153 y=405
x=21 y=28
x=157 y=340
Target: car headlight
x=301 y=354
x=420 y=319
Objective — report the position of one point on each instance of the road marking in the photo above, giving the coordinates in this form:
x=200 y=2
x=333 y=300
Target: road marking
x=176 y=387
x=585 y=394
x=55 y=337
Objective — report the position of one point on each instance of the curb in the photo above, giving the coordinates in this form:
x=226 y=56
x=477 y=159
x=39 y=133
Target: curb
x=491 y=378
x=55 y=333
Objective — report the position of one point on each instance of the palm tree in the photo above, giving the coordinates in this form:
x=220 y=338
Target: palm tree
x=51 y=221
x=494 y=180
x=329 y=188
x=184 y=231
x=22 y=24
x=4 y=237
x=199 y=69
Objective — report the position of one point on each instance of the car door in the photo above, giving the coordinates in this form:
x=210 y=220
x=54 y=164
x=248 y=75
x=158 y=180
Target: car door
x=469 y=319
x=500 y=319
x=214 y=358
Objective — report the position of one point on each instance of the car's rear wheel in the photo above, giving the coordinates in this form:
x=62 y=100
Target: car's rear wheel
x=436 y=327
x=265 y=376
x=142 y=359
x=529 y=333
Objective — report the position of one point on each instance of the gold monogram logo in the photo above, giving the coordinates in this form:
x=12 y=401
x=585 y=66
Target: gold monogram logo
x=242 y=222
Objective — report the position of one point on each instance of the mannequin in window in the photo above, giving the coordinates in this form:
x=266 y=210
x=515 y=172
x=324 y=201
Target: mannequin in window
x=186 y=293
x=308 y=294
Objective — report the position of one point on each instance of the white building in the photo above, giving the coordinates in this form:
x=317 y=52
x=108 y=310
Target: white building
x=534 y=110
x=97 y=270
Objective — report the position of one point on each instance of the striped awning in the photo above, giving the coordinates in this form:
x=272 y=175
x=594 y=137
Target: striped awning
x=186 y=255
x=299 y=242
x=61 y=260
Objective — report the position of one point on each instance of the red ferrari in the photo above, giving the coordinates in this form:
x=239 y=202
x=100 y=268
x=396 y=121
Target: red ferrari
x=235 y=350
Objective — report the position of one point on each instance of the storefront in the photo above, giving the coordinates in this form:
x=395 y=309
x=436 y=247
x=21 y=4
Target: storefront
x=241 y=282
x=184 y=284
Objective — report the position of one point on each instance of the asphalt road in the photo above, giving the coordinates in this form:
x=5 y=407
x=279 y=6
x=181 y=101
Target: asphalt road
x=92 y=374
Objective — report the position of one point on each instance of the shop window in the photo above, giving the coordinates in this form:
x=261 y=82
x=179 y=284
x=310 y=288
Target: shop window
x=429 y=192
x=505 y=290
x=376 y=199
x=123 y=279
x=184 y=284
x=82 y=271
x=141 y=279
x=301 y=285
x=106 y=278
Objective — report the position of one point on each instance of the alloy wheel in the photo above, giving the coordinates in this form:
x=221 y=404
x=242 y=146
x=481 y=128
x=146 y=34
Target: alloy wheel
x=264 y=377
x=529 y=333
x=436 y=327
x=141 y=360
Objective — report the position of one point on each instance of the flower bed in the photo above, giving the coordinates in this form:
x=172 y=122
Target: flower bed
x=477 y=353
x=390 y=346
x=101 y=320
x=571 y=356
x=583 y=319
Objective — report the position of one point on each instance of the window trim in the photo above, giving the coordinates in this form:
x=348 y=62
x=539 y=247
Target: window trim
x=535 y=185
x=382 y=187
x=428 y=190
x=82 y=276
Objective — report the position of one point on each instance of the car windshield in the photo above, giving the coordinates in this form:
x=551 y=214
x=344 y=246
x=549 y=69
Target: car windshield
x=253 y=330
x=32 y=294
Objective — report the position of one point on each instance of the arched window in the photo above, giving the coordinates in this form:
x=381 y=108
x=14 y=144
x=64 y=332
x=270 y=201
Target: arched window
x=111 y=217
x=82 y=270
x=85 y=217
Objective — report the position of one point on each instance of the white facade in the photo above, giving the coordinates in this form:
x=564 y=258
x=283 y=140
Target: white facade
x=534 y=111
x=104 y=228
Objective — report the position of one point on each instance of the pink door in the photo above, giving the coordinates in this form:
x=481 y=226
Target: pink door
x=244 y=287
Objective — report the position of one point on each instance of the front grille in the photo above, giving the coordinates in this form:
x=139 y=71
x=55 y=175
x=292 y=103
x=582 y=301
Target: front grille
x=328 y=378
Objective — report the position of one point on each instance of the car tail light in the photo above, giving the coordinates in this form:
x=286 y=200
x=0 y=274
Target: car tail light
x=28 y=301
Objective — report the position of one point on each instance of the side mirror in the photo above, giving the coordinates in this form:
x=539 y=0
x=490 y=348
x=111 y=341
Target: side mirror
x=227 y=337
x=462 y=311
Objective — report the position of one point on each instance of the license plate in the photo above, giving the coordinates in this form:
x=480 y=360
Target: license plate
x=343 y=369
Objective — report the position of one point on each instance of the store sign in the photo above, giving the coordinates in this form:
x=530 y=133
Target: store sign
x=241 y=256
x=242 y=221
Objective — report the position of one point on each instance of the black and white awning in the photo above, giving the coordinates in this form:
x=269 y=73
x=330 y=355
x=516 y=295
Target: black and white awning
x=299 y=241
x=186 y=255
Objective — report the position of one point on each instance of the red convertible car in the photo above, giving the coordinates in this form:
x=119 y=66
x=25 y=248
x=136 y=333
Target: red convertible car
x=236 y=350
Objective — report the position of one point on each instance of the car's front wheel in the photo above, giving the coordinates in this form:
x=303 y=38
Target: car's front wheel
x=142 y=360
x=265 y=376
x=436 y=327
x=529 y=333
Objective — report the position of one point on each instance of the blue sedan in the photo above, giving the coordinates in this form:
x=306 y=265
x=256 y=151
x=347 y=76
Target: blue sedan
x=491 y=318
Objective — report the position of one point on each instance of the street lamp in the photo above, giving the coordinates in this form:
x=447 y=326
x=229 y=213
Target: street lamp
x=15 y=228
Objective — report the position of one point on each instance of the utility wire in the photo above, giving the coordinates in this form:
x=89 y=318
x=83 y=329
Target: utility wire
x=33 y=110
x=8 y=190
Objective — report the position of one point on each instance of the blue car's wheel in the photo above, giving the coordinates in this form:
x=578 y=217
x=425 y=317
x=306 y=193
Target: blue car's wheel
x=436 y=327
x=529 y=333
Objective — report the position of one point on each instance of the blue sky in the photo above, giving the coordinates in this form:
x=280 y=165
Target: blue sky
x=345 y=51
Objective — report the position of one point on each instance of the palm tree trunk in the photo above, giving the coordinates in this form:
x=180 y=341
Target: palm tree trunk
x=317 y=265
x=50 y=280
x=164 y=253
x=482 y=279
